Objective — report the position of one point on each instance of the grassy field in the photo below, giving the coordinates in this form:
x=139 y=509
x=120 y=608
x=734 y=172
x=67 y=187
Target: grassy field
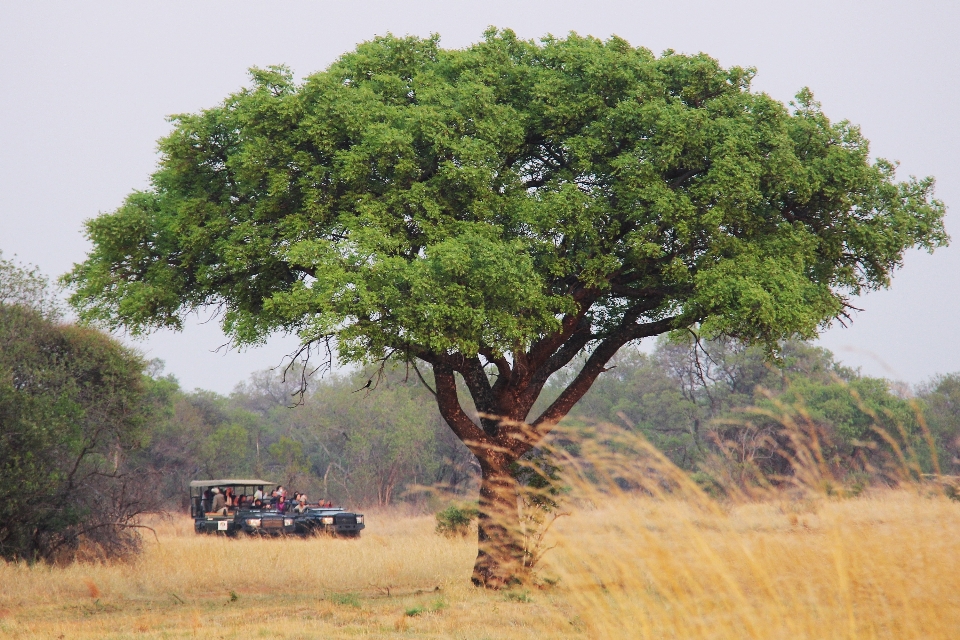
x=883 y=565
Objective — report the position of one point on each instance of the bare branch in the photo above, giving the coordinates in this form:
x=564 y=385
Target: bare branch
x=594 y=367
x=424 y=382
x=449 y=404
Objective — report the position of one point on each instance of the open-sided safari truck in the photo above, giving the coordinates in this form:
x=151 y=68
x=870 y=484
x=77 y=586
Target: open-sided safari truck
x=264 y=519
x=246 y=519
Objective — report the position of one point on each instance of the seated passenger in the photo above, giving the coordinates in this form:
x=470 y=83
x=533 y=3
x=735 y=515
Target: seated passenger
x=301 y=504
x=258 y=504
x=219 y=503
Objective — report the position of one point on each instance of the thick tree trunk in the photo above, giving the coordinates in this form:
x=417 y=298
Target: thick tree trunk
x=500 y=433
x=500 y=542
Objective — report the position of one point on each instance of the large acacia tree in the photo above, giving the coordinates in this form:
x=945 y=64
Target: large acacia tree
x=497 y=210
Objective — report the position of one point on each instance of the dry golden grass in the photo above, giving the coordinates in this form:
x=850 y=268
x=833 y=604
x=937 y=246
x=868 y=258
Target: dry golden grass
x=882 y=565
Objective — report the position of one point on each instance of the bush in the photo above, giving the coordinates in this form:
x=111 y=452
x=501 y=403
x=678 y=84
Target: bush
x=455 y=520
x=72 y=407
x=708 y=484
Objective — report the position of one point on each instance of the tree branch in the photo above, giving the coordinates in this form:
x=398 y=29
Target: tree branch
x=593 y=368
x=479 y=385
x=503 y=366
x=543 y=349
x=679 y=180
x=449 y=404
x=424 y=382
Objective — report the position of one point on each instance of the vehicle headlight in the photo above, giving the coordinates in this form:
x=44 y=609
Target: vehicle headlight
x=253 y=522
x=327 y=520
x=288 y=522
x=359 y=519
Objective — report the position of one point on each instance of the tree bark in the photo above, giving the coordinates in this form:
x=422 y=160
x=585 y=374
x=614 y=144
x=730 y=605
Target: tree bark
x=500 y=542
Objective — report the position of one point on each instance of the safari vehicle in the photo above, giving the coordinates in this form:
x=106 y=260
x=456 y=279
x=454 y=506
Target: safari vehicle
x=332 y=520
x=244 y=519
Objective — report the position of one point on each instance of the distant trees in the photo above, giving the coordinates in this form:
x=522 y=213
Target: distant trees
x=27 y=287
x=721 y=400
x=365 y=447
x=73 y=405
x=941 y=408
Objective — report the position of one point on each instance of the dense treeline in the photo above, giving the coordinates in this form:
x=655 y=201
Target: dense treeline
x=701 y=403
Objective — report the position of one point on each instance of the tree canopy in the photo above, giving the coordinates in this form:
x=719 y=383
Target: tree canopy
x=506 y=205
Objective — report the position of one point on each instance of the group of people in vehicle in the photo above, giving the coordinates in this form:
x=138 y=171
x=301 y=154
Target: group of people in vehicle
x=222 y=502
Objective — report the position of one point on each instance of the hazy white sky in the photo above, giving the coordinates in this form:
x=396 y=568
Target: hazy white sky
x=85 y=87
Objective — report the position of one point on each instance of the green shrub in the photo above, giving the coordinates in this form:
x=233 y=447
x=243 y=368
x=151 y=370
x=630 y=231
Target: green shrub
x=344 y=599
x=517 y=596
x=455 y=520
x=708 y=484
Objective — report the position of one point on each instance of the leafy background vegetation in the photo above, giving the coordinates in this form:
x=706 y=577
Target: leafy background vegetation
x=699 y=403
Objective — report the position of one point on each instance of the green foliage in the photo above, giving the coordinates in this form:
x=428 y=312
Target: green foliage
x=27 y=287
x=418 y=200
x=941 y=410
x=73 y=406
x=855 y=410
x=438 y=605
x=518 y=596
x=344 y=599
x=951 y=492
x=708 y=483
x=384 y=440
x=288 y=455
x=455 y=520
x=698 y=399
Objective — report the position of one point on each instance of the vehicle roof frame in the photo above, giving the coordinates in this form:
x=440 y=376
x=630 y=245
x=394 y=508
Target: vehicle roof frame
x=229 y=482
